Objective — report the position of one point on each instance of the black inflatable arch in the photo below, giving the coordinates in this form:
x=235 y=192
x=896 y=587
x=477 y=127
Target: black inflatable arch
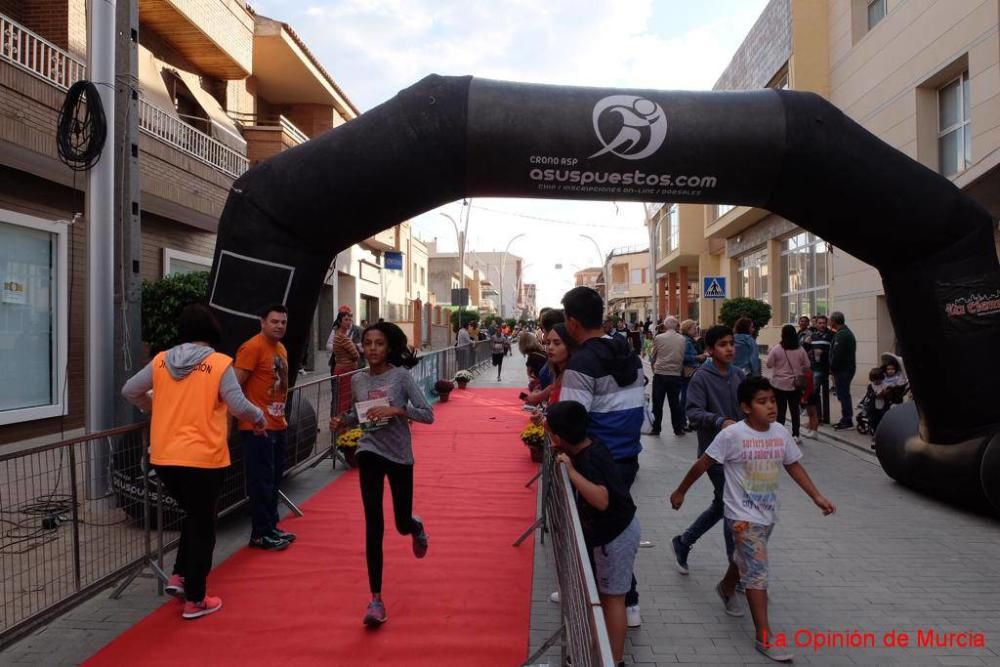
x=792 y=153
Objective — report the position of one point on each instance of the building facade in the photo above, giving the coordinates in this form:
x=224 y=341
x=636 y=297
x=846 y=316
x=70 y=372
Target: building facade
x=922 y=75
x=219 y=89
x=629 y=285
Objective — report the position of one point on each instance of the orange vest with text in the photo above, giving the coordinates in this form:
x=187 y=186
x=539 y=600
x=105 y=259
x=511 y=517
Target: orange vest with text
x=189 y=425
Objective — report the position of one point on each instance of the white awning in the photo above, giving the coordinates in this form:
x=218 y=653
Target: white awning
x=223 y=127
x=151 y=85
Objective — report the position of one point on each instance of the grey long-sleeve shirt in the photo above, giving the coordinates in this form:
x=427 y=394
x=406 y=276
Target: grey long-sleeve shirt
x=180 y=360
x=391 y=441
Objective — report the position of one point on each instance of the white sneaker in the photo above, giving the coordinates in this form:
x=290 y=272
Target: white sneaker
x=808 y=433
x=731 y=603
x=632 y=617
x=773 y=652
x=554 y=597
x=797 y=439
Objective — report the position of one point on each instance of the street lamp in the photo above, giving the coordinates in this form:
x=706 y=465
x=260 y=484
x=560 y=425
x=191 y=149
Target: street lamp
x=460 y=236
x=503 y=264
x=603 y=264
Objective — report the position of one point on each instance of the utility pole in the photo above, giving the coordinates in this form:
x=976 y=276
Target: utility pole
x=100 y=333
x=128 y=193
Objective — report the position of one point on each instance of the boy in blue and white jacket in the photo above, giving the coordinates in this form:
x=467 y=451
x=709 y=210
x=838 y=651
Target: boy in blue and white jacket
x=605 y=376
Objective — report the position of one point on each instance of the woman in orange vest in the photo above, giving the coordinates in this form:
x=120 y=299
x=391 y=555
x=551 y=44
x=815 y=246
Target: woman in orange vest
x=192 y=387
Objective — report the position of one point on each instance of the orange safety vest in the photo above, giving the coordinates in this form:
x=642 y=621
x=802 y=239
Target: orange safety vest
x=189 y=425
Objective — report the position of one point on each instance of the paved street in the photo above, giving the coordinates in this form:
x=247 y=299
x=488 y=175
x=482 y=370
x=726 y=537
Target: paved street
x=889 y=559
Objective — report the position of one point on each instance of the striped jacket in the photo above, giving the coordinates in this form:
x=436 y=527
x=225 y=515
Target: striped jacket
x=605 y=376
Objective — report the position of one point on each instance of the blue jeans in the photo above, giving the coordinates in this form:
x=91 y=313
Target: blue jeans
x=712 y=515
x=843 y=380
x=264 y=458
x=627 y=470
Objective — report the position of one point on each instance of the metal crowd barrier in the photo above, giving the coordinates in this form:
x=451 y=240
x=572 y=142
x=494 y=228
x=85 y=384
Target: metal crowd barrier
x=583 y=634
x=63 y=538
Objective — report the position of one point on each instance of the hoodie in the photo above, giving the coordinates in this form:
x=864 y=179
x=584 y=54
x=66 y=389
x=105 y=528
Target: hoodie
x=711 y=400
x=605 y=376
x=181 y=360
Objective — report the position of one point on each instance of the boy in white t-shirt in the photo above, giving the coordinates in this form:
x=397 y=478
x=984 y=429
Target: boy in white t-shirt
x=752 y=453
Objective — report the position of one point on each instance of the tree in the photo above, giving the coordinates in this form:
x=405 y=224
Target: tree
x=468 y=315
x=734 y=309
x=162 y=303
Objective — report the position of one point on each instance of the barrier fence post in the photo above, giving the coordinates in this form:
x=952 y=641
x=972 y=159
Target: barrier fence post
x=74 y=497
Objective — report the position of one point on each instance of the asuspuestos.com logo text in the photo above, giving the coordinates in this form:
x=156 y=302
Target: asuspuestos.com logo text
x=636 y=177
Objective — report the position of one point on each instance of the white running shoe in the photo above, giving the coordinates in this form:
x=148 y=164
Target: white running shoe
x=632 y=616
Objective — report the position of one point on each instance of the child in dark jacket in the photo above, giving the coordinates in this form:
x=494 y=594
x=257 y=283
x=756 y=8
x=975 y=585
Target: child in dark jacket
x=607 y=513
x=712 y=405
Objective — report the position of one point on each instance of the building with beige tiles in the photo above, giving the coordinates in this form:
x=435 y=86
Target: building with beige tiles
x=923 y=75
x=220 y=88
x=629 y=284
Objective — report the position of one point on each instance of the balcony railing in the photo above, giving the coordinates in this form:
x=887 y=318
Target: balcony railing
x=26 y=50
x=177 y=133
x=249 y=120
x=23 y=48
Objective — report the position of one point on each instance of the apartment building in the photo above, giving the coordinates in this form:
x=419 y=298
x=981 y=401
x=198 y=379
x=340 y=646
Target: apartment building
x=528 y=304
x=220 y=89
x=923 y=75
x=629 y=285
x=592 y=277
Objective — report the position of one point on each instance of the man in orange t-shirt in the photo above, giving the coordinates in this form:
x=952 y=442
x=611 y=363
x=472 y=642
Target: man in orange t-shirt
x=262 y=370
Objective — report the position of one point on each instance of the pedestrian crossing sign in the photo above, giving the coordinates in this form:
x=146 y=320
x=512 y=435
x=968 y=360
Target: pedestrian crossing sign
x=713 y=287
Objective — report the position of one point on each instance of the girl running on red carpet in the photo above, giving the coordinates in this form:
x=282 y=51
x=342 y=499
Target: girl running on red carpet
x=388 y=397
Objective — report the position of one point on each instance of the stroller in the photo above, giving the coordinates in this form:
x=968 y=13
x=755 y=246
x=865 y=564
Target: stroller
x=869 y=416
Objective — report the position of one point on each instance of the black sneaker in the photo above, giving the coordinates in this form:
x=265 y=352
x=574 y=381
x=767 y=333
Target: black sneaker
x=268 y=543
x=282 y=535
x=419 y=539
x=843 y=426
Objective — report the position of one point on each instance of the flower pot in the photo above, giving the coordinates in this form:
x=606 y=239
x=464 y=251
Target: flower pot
x=537 y=454
x=462 y=383
x=350 y=455
x=443 y=396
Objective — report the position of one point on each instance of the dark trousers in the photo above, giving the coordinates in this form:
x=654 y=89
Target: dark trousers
x=713 y=514
x=668 y=386
x=264 y=457
x=843 y=381
x=373 y=469
x=197 y=492
x=628 y=468
x=793 y=401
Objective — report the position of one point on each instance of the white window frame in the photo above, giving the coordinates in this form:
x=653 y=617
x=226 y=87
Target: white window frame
x=762 y=257
x=673 y=229
x=786 y=297
x=60 y=343
x=963 y=125
x=722 y=209
x=868 y=14
x=170 y=253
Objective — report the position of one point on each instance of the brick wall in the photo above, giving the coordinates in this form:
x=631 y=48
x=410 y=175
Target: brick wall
x=30 y=195
x=48 y=18
x=765 y=50
x=159 y=233
x=12 y=9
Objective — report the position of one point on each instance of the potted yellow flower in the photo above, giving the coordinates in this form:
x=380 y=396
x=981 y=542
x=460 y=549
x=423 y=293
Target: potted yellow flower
x=533 y=436
x=347 y=443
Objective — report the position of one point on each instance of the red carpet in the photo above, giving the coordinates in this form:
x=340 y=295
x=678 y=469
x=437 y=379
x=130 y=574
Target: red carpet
x=467 y=603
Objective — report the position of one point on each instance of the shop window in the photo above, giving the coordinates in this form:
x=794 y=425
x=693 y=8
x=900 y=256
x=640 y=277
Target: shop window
x=33 y=318
x=805 y=273
x=752 y=275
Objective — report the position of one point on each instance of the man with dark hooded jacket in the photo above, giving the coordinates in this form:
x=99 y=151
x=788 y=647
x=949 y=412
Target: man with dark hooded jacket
x=712 y=405
x=605 y=376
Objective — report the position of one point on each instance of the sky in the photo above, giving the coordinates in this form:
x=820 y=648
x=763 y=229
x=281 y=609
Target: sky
x=374 y=48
